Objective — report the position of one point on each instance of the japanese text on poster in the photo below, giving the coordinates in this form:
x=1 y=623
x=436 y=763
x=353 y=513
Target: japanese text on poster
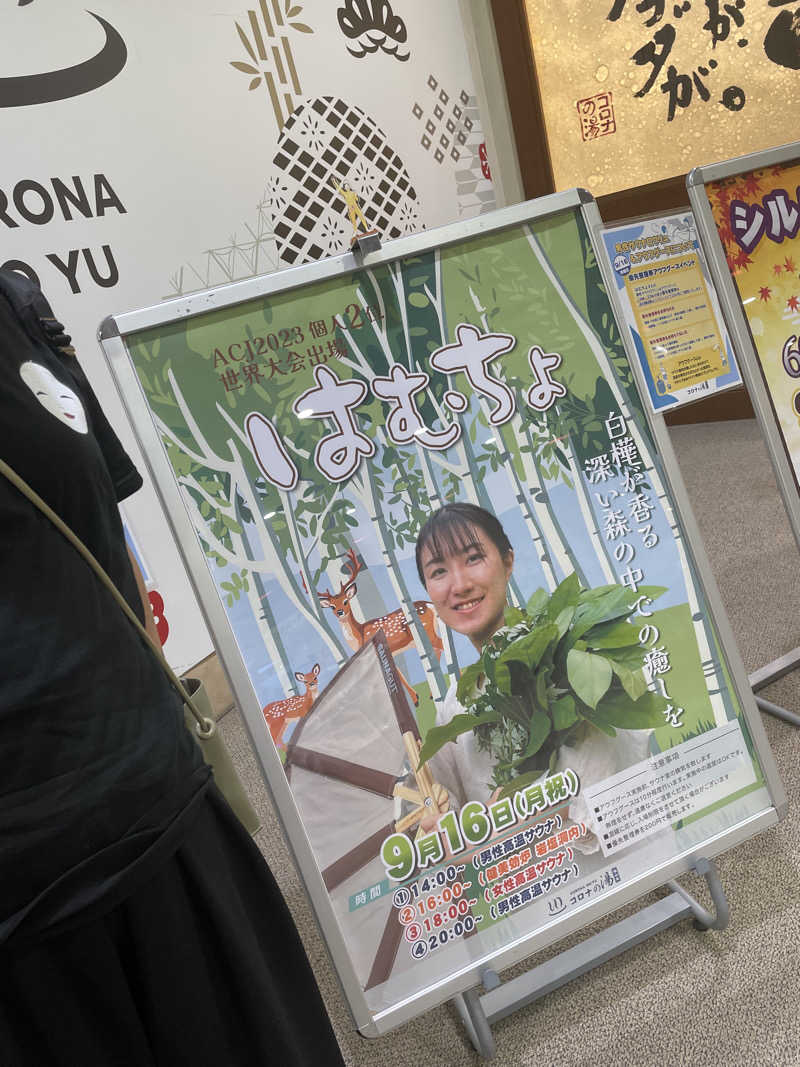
x=671 y=310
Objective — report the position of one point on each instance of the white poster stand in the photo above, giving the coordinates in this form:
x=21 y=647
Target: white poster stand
x=301 y=429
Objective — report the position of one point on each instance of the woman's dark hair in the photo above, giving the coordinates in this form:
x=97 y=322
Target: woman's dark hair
x=451 y=529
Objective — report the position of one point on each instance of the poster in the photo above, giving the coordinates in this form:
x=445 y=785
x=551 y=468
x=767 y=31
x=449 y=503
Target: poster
x=757 y=216
x=668 y=302
x=635 y=92
x=310 y=432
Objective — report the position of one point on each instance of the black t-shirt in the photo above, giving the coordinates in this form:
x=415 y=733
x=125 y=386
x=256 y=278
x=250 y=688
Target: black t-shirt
x=95 y=762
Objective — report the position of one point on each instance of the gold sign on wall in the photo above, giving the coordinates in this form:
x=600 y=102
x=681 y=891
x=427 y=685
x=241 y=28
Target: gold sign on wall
x=634 y=91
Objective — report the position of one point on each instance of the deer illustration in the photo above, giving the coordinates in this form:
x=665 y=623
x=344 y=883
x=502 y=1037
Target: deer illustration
x=394 y=625
x=281 y=712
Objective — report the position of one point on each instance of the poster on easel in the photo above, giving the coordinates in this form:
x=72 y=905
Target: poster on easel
x=456 y=589
x=670 y=308
x=749 y=210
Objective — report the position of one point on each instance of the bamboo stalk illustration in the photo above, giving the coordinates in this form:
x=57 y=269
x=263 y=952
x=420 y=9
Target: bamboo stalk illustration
x=240 y=555
x=273 y=556
x=265 y=621
x=535 y=521
x=364 y=485
x=270 y=54
x=309 y=607
x=537 y=482
x=360 y=364
x=586 y=510
x=467 y=471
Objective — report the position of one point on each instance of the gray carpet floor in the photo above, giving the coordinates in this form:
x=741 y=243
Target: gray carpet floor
x=683 y=997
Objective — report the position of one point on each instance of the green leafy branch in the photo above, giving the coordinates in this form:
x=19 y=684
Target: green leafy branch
x=235 y=587
x=568 y=665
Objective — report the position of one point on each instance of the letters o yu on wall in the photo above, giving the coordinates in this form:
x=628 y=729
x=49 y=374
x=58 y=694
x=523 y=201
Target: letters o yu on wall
x=32 y=203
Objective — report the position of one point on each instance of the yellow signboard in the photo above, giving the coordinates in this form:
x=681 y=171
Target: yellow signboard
x=637 y=92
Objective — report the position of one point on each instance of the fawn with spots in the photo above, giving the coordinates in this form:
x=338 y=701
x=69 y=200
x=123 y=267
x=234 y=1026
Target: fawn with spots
x=281 y=712
x=394 y=624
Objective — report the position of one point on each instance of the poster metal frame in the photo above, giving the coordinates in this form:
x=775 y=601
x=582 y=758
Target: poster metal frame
x=733 y=312
x=112 y=334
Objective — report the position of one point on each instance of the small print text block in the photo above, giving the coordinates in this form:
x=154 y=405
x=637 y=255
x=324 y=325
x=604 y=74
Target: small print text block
x=654 y=794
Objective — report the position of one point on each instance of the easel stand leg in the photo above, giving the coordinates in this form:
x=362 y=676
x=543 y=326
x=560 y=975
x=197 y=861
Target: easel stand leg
x=771 y=673
x=479 y=1011
x=703 y=919
x=468 y=1005
x=777 y=711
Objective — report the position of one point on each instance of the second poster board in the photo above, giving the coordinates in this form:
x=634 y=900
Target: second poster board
x=668 y=303
x=748 y=218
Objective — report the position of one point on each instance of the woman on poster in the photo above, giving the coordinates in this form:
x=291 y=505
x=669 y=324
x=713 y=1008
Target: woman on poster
x=465 y=560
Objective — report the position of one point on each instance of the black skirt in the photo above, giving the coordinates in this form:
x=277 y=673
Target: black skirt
x=200 y=965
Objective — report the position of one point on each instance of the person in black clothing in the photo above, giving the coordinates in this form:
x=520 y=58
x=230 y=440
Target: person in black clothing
x=139 y=924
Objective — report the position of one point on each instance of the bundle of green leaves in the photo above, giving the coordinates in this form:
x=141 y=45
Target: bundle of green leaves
x=568 y=665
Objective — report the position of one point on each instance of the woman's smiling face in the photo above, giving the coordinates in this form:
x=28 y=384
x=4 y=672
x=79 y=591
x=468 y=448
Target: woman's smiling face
x=468 y=585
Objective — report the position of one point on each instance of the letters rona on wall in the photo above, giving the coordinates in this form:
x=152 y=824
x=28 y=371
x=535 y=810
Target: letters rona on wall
x=38 y=203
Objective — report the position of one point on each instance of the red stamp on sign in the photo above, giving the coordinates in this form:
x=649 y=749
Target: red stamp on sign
x=484 y=158
x=597 y=116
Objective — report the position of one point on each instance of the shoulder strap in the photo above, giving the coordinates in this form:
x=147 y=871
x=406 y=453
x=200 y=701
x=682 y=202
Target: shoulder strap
x=34 y=312
x=205 y=727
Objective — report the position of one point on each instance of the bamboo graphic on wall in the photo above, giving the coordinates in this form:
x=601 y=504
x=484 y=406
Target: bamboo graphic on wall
x=267 y=42
x=322 y=143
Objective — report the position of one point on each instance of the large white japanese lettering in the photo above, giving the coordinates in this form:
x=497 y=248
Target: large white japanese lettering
x=405 y=423
x=338 y=455
x=471 y=354
x=544 y=393
x=270 y=452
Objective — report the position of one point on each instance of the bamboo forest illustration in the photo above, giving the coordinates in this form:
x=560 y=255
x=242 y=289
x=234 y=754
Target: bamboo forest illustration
x=314 y=431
